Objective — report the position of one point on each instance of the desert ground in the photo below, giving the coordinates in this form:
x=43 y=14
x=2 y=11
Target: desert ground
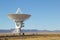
x=30 y=37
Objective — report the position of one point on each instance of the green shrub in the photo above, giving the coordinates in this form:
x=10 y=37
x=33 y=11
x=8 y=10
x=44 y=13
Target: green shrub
x=6 y=39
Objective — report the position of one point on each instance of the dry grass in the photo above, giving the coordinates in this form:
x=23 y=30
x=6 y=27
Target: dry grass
x=31 y=37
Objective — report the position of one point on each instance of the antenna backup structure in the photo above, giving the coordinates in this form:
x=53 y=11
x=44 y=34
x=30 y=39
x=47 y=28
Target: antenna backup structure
x=18 y=18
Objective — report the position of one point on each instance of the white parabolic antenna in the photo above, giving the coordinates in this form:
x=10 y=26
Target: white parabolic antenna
x=18 y=18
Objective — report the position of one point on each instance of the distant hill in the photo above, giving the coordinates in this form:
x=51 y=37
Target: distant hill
x=33 y=30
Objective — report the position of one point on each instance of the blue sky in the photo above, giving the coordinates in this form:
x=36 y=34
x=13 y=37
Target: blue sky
x=45 y=14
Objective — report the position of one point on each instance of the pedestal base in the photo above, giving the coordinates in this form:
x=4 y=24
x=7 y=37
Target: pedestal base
x=17 y=31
